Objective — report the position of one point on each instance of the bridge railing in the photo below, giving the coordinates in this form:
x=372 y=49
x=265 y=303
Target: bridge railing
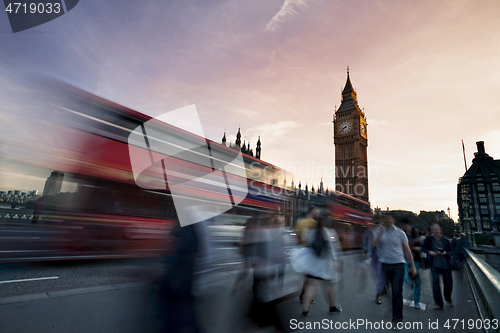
x=485 y=283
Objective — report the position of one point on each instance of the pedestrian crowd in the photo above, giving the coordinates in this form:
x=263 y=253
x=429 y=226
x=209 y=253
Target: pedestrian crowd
x=398 y=256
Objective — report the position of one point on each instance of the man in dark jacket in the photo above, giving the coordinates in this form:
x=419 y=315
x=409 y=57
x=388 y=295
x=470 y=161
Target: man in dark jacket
x=439 y=250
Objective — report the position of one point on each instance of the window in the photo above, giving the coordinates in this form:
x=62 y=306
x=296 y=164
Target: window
x=496 y=187
x=484 y=210
x=486 y=223
x=497 y=197
x=480 y=187
x=482 y=197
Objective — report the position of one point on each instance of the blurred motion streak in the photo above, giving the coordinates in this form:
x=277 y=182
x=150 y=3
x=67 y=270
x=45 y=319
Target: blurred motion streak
x=70 y=151
x=148 y=138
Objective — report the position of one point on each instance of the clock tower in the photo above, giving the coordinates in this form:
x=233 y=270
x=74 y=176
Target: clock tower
x=351 y=141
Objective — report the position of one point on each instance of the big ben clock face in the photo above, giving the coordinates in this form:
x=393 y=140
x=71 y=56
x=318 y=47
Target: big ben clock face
x=345 y=127
x=362 y=127
x=363 y=130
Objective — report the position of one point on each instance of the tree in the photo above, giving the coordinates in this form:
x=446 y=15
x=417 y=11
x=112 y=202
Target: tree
x=426 y=219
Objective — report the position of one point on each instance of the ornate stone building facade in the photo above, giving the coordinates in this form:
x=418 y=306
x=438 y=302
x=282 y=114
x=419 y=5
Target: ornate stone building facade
x=351 y=142
x=244 y=148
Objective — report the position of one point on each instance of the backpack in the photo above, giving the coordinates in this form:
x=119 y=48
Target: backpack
x=319 y=242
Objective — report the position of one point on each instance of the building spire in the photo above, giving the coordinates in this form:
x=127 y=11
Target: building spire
x=238 y=137
x=348 y=92
x=258 y=149
x=224 y=138
x=244 y=147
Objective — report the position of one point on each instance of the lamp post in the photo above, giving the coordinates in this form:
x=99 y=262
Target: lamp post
x=465 y=207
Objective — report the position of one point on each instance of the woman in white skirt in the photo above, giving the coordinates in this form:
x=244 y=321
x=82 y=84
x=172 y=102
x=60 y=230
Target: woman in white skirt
x=324 y=266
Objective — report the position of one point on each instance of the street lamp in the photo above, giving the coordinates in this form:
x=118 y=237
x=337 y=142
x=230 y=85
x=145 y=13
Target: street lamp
x=465 y=207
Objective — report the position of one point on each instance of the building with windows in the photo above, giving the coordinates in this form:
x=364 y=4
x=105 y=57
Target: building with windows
x=54 y=183
x=478 y=193
x=18 y=197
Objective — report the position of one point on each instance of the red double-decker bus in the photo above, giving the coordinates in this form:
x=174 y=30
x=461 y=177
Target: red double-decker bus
x=76 y=147
x=351 y=217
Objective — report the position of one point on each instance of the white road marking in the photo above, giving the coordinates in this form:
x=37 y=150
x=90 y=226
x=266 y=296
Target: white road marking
x=16 y=251
x=230 y=263
x=34 y=279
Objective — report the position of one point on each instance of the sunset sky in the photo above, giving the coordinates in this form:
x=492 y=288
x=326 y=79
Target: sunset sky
x=427 y=74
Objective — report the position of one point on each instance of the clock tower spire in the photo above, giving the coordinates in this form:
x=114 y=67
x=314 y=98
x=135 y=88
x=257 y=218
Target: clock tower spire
x=351 y=142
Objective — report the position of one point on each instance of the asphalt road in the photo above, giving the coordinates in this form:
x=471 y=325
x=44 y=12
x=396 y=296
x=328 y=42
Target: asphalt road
x=37 y=277
x=31 y=277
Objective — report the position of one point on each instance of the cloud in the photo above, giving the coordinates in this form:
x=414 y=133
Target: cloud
x=378 y=122
x=289 y=8
x=275 y=130
x=385 y=122
x=252 y=114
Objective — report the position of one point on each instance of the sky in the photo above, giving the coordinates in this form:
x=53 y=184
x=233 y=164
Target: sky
x=426 y=73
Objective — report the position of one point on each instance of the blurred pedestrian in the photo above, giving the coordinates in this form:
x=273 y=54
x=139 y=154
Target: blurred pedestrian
x=381 y=282
x=439 y=250
x=364 y=257
x=177 y=303
x=38 y=209
x=460 y=253
x=319 y=261
x=413 y=241
x=303 y=227
x=393 y=247
x=267 y=265
x=456 y=236
x=306 y=224
x=278 y=256
x=247 y=250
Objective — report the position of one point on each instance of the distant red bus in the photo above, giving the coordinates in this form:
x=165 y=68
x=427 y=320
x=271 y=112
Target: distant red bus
x=351 y=217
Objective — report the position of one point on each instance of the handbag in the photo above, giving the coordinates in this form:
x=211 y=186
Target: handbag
x=319 y=242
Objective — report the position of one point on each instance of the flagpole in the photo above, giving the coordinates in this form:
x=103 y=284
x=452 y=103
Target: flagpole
x=465 y=160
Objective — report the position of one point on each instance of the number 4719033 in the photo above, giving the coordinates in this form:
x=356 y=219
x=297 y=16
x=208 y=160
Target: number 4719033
x=40 y=8
x=471 y=324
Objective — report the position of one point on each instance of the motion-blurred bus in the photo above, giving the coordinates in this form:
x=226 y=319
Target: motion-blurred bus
x=72 y=146
x=351 y=218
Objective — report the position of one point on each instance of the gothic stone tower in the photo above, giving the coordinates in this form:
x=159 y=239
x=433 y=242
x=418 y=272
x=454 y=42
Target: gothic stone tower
x=351 y=141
